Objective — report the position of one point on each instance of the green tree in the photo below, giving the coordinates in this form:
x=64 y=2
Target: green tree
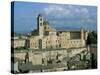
x=92 y=38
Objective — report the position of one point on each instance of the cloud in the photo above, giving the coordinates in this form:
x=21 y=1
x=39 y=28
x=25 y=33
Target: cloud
x=61 y=11
x=67 y=13
x=61 y=15
x=56 y=10
x=85 y=13
x=84 y=10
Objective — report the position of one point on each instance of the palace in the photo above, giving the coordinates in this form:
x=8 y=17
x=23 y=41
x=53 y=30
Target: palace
x=46 y=37
x=48 y=47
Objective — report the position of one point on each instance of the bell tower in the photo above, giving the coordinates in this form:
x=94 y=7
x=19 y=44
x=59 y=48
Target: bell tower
x=40 y=27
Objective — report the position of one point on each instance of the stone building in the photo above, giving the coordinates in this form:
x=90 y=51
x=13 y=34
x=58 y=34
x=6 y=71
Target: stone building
x=16 y=43
x=47 y=37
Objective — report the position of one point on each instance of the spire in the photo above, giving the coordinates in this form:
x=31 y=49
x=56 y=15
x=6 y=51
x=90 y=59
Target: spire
x=40 y=15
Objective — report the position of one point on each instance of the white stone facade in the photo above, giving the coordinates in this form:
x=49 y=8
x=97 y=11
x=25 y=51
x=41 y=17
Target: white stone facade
x=50 y=38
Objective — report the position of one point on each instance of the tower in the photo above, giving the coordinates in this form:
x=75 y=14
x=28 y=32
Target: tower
x=82 y=34
x=82 y=37
x=86 y=34
x=40 y=27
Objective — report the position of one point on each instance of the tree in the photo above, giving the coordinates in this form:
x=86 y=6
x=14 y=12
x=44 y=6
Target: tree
x=92 y=38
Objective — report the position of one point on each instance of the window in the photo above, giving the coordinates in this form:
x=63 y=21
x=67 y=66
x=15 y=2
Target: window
x=59 y=45
x=40 y=24
x=45 y=27
x=40 y=19
x=56 y=40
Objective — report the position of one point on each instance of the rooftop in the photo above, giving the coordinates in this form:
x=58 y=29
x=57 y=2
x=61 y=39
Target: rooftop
x=67 y=29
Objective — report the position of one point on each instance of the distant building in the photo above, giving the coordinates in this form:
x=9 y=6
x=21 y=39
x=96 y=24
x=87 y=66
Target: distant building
x=47 y=37
x=18 y=41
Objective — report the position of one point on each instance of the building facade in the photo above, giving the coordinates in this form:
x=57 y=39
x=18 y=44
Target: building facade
x=47 y=37
x=17 y=43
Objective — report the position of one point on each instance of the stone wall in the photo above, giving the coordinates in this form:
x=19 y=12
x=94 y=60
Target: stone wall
x=38 y=56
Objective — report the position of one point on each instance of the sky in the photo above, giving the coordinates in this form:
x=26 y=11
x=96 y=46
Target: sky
x=58 y=15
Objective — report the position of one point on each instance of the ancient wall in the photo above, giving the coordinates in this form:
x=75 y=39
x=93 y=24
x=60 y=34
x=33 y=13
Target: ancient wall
x=36 y=57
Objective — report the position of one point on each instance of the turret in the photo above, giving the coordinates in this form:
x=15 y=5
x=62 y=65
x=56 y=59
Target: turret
x=82 y=34
x=82 y=37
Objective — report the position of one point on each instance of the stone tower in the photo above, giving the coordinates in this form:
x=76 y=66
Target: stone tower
x=82 y=37
x=82 y=34
x=40 y=27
